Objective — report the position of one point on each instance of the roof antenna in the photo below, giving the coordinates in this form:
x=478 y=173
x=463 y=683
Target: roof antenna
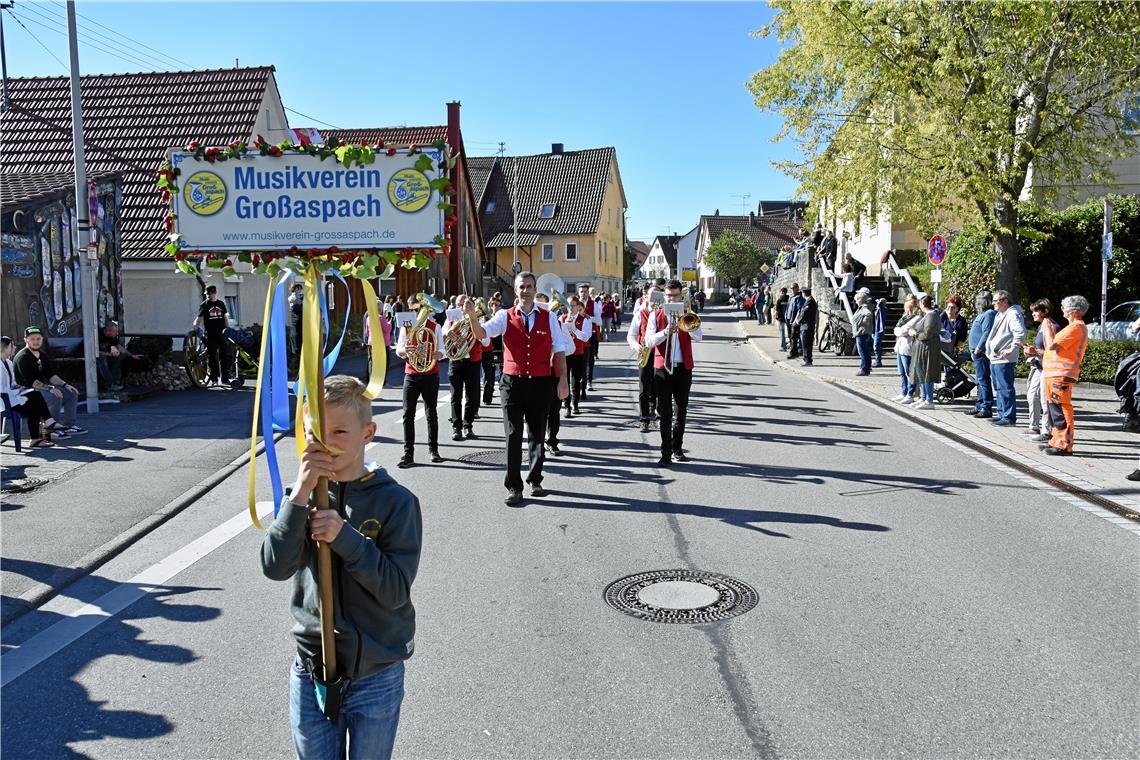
x=743 y=203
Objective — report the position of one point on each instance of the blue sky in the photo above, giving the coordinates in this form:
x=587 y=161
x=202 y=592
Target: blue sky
x=661 y=82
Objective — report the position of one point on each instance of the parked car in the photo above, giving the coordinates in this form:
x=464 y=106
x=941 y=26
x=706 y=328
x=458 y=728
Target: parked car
x=1118 y=323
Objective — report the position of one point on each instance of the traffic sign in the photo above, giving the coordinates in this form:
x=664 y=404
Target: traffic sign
x=936 y=250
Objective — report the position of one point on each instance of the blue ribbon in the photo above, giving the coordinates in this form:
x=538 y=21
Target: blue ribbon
x=330 y=357
x=275 y=386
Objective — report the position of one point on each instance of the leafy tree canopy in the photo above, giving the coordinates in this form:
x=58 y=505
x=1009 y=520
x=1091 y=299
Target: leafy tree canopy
x=933 y=108
x=735 y=257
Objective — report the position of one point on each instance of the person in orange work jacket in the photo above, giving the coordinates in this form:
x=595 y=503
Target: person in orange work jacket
x=1061 y=366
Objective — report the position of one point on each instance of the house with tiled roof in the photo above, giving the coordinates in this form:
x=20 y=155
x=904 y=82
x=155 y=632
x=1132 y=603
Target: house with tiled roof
x=464 y=271
x=561 y=212
x=130 y=121
x=662 y=258
x=767 y=234
x=640 y=253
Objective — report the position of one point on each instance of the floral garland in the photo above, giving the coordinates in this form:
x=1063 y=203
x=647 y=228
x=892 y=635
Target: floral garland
x=363 y=263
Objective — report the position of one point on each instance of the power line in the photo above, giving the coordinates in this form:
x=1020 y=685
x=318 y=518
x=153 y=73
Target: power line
x=130 y=39
x=310 y=118
x=37 y=39
x=61 y=28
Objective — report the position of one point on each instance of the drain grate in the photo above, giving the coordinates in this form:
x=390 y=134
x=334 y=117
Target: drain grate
x=680 y=596
x=493 y=456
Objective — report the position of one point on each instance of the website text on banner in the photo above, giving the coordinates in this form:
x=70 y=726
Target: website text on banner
x=262 y=202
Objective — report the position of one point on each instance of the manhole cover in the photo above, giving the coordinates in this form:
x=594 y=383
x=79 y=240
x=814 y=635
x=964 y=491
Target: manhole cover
x=680 y=596
x=22 y=486
x=496 y=456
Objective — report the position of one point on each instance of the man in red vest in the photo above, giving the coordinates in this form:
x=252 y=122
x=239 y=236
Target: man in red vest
x=419 y=385
x=578 y=325
x=534 y=358
x=594 y=313
x=672 y=374
x=635 y=337
x=463 y=375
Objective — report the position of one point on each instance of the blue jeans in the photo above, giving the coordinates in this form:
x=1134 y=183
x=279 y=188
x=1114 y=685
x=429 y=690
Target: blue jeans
x=368 y=719
x=863 y=346
x=877 y=339
x=783 y=339
x=926 y=391
x=759 y=315
x=1006 y=394
x=906 y=387
x=985 y=401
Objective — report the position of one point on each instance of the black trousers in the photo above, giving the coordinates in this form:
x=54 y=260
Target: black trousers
x=488 y=376
x=807 y=337
x=415 y=388
x=576 y=368
x=591 y=357
x=35 y=411
x=646 y=391
x=525 y=401
x=218 y=353
x=464 y=378
x=672 y=391
x=554 y=415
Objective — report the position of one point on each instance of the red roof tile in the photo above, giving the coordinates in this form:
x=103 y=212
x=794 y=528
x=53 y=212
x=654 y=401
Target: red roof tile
x=129 y=122
x=388 y=135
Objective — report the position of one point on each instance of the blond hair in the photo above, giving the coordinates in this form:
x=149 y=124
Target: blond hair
x=347 y=391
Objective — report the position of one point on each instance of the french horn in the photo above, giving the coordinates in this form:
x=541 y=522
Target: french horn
x=420 y=346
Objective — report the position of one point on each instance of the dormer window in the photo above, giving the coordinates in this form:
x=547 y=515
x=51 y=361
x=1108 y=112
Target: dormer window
x=547 y=211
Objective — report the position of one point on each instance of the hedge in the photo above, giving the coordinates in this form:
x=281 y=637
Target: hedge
x=1099 y=366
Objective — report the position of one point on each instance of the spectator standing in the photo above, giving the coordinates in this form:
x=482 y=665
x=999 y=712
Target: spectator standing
x=28 y=402
x=701 y=300
x=296 y=319
x=908 y=321
x=954 y=325
x=926 y=352
x=608 y=314
x=214 y=318
x=1003 y=346
x=862 y=326
x=781 y=309
x=113 y=356
x=979 y=333
x=1047 y=327
x=1062 y=369
x=36 y=370
x=806 y=322
x=795 y=303
x=828 y=249
x=856 y=268
x=880 y=330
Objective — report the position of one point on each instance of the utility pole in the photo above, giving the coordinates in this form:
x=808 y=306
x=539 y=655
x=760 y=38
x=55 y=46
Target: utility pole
x=88 y=259
x=3 y=59
x=1106 y=255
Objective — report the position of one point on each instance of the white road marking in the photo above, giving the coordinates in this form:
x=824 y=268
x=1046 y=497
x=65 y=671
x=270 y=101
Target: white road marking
x=82 y=621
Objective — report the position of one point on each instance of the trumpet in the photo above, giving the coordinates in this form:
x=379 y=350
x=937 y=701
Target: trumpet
x=420 y=347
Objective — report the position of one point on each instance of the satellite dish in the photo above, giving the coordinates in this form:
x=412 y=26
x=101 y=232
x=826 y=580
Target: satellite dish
x=549 y=281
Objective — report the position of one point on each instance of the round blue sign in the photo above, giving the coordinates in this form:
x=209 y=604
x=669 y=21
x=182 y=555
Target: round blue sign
x=936 y=250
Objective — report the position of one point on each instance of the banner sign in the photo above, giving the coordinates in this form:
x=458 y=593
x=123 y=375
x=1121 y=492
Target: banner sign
x=688 y=274
x=265 y=202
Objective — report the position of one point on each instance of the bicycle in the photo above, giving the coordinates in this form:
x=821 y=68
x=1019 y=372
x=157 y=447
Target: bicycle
x=195 y=357
x=835 y=336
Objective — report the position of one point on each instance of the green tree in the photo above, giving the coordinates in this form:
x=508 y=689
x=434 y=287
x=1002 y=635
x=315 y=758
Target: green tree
x=932 y=108
x=735 y=258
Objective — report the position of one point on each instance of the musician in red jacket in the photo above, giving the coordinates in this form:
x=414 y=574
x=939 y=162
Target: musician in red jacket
x=578 y=326
x=534 y=358
x=594 y=313
x=672 y=374
x=420 y=385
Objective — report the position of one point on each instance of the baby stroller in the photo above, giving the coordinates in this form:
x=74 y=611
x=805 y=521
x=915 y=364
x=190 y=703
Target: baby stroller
x=955 y=383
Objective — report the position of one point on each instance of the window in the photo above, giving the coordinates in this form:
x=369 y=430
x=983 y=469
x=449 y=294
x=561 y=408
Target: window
x=233 y=309
x=571 y=251
x=609 y=216
x=548 y=251
x=603 y=250
x=547 y=211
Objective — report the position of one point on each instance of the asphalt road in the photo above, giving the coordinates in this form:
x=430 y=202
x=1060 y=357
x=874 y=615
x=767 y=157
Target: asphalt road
x=913 y=602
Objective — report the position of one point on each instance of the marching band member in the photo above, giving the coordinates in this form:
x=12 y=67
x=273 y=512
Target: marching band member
x=534 y=354
x=635 y=337
x=672 y=375
x=463 y=375
x=554 y=409
x=419 y=385
x=580 y=330
x=594 y=312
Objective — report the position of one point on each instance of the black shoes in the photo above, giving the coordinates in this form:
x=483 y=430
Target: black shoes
x=405 y=462
x=537 y=491
x=514 y=498
x=469 y=433
x=984 y=415
x=457 y=435
x=553 y=449
x=645 y=426
x=435 y=457
x=679 y=456
x=1057 y=452
x=577 y=410
x=569 y=414
x=664 y=462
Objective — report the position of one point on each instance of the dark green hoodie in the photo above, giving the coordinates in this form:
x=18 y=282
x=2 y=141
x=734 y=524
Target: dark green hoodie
x=375 y=558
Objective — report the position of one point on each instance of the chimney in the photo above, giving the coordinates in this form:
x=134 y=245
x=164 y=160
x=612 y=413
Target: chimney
x=751 y=219
x=556 y=148
x=717 y=213
x=454 y=138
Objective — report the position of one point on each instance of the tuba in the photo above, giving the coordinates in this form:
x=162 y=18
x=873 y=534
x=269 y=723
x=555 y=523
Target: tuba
x=558 y=301
x=420 y=346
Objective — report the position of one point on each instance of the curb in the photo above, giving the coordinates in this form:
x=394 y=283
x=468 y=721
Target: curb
x=1066 y=486
x=41 y=592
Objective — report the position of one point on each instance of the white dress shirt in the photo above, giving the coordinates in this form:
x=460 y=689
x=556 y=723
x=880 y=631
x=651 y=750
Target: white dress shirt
x=402 y=341
x=583 y=334
x=497 y=325
x=449 y=325
x=654 y=338
x=9 y=386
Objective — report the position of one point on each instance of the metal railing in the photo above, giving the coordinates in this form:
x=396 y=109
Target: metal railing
x=900 y=272
x=841 y=295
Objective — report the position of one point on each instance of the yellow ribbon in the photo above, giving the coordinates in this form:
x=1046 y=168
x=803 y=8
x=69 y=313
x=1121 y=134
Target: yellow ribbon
x=310 y=371
x=379 y=350
x=257 y=408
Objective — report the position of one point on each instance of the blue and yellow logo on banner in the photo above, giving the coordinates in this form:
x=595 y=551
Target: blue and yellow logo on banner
x=204 y=193
x=408 y=190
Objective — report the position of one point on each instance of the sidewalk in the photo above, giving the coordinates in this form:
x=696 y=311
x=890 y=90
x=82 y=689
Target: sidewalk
x=1103 y=453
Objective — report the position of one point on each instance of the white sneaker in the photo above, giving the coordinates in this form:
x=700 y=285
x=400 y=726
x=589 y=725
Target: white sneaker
x=923 y=405
x=899 y=397
x=907 y=400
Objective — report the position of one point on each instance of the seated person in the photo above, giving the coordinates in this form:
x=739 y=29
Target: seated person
x=113 y=356
x=30 y=405
x=36 y=370
x=855 y=267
